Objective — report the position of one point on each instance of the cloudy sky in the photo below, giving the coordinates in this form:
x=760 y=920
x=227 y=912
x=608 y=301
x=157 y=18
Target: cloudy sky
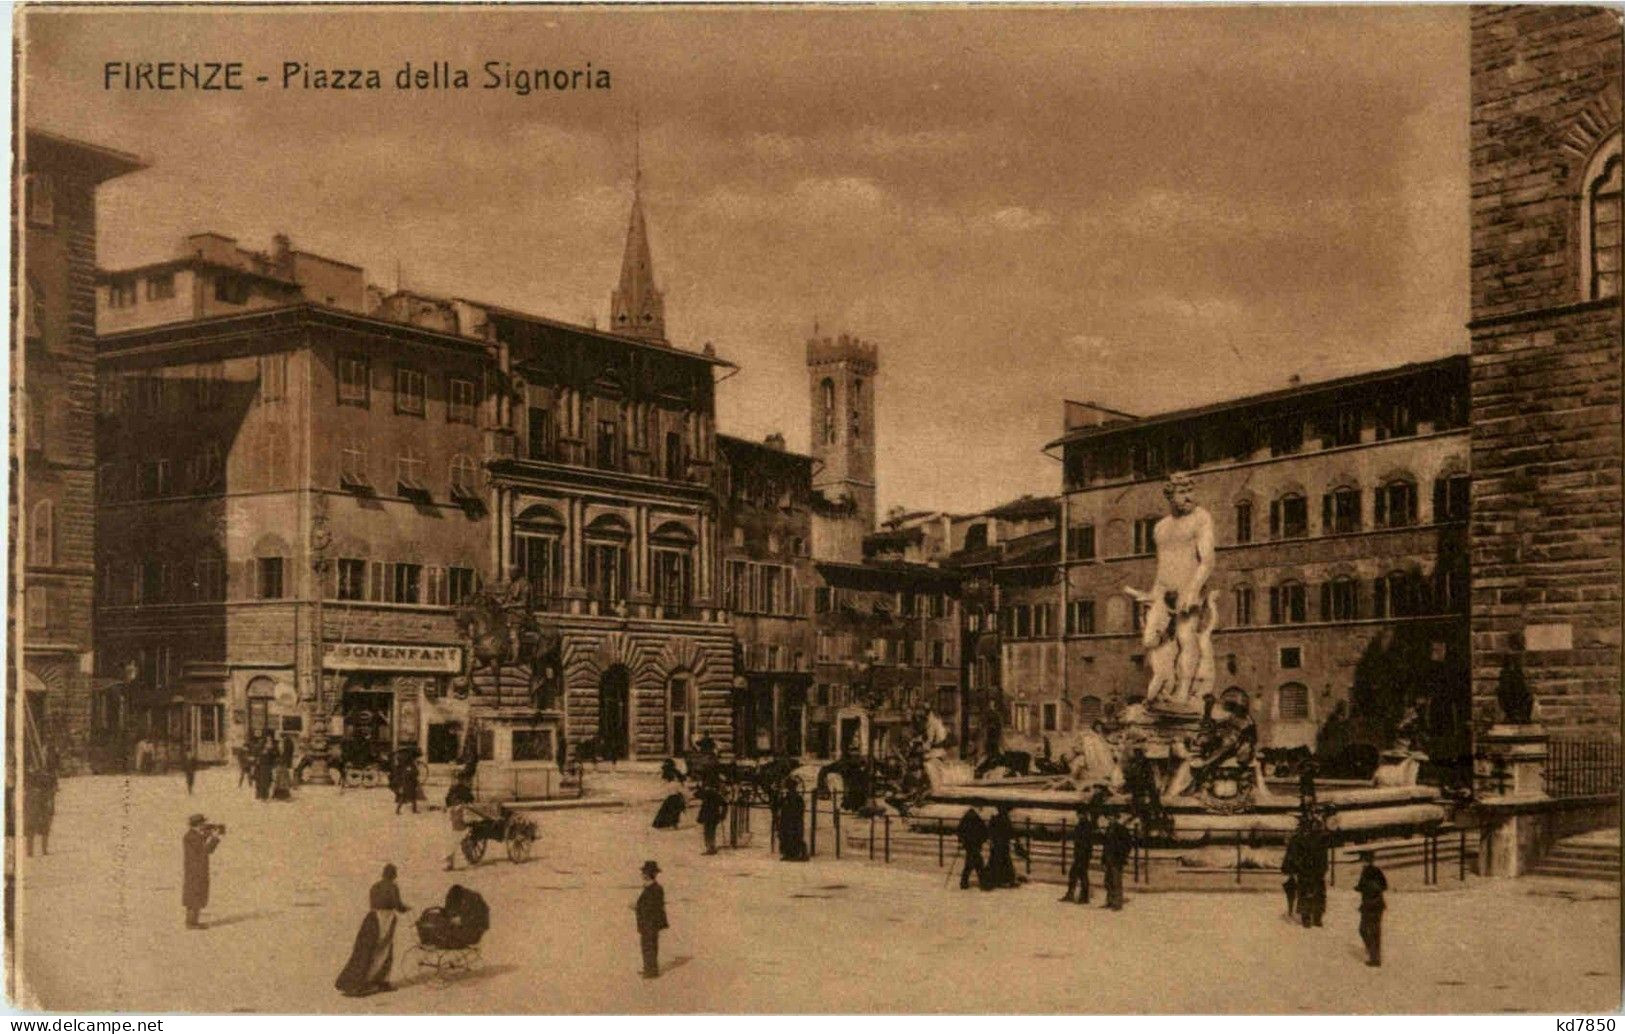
x=1148 y=208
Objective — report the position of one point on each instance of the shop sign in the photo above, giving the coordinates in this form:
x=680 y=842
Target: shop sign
x=392 y=657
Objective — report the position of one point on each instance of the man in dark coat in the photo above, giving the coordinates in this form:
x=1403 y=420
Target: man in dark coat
x=670 y=811
x=1116 y=846
x=264 y=769
x=406 y=783
x=1305 y=862
x=196 y=846
x=713 y=809
x=1083 y=849
x=651 y=910
x=189 y=769
x=972 y=834
x=1001 y=835
x=1371 y=885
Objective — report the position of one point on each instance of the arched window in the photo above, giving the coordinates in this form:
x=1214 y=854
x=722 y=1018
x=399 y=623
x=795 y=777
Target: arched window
x=605 y=566
x=1289 y=517
x=1244 y=521
x=857 y=409
x=1600 y=223
x=1287 y=604
x=42 y=533
x=671 y=562
x=1396 y=503
x=1396 y=595
x=538 y=552
x=1292 y=702
x=1340 y=599
x=826 y=393
x=1340 y=510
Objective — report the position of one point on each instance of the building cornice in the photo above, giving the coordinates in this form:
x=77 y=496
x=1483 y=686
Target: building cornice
x=1544 y=312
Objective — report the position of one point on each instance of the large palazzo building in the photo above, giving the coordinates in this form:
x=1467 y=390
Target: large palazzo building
x=53 y=482
x=297 y=493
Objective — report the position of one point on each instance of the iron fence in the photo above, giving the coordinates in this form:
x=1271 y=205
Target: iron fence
x=1582 y=768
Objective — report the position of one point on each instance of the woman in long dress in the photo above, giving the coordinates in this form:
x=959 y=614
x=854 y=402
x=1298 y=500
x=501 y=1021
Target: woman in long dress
x=367 y=972
x=792 y=818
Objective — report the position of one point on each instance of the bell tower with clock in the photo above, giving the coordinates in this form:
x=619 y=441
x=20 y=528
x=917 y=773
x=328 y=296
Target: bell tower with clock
x=841 y=376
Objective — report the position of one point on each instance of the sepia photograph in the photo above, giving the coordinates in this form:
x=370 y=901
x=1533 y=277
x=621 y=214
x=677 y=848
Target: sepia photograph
x=747 y=509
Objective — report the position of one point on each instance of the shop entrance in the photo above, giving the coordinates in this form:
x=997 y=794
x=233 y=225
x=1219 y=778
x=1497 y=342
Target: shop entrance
x=369 y=724
x=614 y=708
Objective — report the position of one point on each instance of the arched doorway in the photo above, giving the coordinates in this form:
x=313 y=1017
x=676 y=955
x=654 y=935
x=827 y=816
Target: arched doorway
x=614 y=708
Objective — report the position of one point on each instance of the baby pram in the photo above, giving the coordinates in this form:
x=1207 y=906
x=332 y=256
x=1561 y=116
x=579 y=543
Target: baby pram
x=449 y=936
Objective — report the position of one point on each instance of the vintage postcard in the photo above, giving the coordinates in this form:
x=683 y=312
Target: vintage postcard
x=817 y=509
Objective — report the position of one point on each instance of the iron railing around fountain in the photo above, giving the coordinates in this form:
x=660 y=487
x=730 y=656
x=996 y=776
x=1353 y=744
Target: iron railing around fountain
x=1582 y=768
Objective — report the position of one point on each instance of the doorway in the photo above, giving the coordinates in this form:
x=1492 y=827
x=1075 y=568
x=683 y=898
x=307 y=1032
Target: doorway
x=680 y=716
x=614 y=708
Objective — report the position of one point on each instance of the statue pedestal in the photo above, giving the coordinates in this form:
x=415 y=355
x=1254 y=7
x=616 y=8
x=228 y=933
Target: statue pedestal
x=1510 y=775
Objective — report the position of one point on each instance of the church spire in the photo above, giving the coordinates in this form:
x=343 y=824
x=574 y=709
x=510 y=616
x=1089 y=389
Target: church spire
x=636 y=308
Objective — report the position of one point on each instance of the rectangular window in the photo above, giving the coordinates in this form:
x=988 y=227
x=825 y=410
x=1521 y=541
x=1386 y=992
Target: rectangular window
x=406 y=583
x=120 y=294
x=1340 y=511
x=273 y=377
x=606 y=571
x=533 y=745
x=1244 y=523
x=352 y=579
x=823 y=600
x=353 y=471
x=459 y=401
x=1291 y=656
x=1243 y=604
x=268 y=578
x=1080 y=543
x=160 y=287
x=210 y=385
x=1289 y=517
x=607 y=454
x=353 y=381
x=1286 y=436
x=409 y=390
x=1145 y=541
x=1340 y=600
x=210 y=581
x=460 y=585
x=39 y=197
x=939 y=653
x=1081 y=617
x=1452 y=499
x=409 y=474
x=233 y=290
x=674 y=456
x=38 y=606
x=1051 y=711
x=1345 y=427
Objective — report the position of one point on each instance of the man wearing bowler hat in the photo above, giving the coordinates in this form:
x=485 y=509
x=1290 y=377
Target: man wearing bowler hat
x=199 y=842
x=651 y=910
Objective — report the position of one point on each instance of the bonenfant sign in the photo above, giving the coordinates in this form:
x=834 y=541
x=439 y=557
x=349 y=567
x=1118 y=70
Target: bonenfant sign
x=392 y=657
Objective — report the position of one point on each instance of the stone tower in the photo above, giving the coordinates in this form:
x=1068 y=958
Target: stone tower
x=636 y=308
x=841 y=377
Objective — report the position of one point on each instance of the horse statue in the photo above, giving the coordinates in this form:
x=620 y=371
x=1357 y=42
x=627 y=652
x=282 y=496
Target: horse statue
x=500 y=631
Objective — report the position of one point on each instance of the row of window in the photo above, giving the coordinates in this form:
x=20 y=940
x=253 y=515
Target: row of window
x=1443 y=407
x=939 y=653
x=411 y=474
x=828 y=600
x=1396 y=594
x=205 y=580
x=611 y=423
x=411 y=390
x=1393 y=505
x=538 y=552
x=121 y=293
x=772 y=657
x=840 y=694
x=795 y=545
x=749 y=587
x=201 y=387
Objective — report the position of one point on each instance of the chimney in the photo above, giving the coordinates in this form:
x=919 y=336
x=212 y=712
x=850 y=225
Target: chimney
x=774 y=441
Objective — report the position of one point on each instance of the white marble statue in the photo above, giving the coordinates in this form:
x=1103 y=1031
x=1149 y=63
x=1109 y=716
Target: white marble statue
x=1179 y=624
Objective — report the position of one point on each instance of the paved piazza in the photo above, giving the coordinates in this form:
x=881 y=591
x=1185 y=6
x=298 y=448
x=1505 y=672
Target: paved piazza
x=101 y=925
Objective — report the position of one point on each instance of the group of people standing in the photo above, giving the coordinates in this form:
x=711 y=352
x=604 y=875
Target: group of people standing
x=1305 y=864
x=269 y=767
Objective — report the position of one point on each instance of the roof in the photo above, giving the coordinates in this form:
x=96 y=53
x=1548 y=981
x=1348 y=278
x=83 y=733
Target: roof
x=1280 y=395
x=733 y=441
x=253 y=321
x=192 y=262
x=1025 y=508
x=883 y=568
x=577 y=328
x=104 y=163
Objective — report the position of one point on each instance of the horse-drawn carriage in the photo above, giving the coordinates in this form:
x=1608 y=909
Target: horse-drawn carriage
x=508 y=827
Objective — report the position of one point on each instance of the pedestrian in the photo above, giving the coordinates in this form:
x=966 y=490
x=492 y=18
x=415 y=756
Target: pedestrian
x=459 y=797
x=1305 y=863
x=1116 y=845
x=196 y=846
x=367 y=971
x=1083 y=849
x=670 y=812
x=713 y=809
x=39 y=804
x=651 y=911
x=189 y=769
x=1290 y=886
x=972 y=834
x=1001 y=866
x=264 y=770
x=792 y=823
x=406 y=784
x=1371 y=885
x=245 y=764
